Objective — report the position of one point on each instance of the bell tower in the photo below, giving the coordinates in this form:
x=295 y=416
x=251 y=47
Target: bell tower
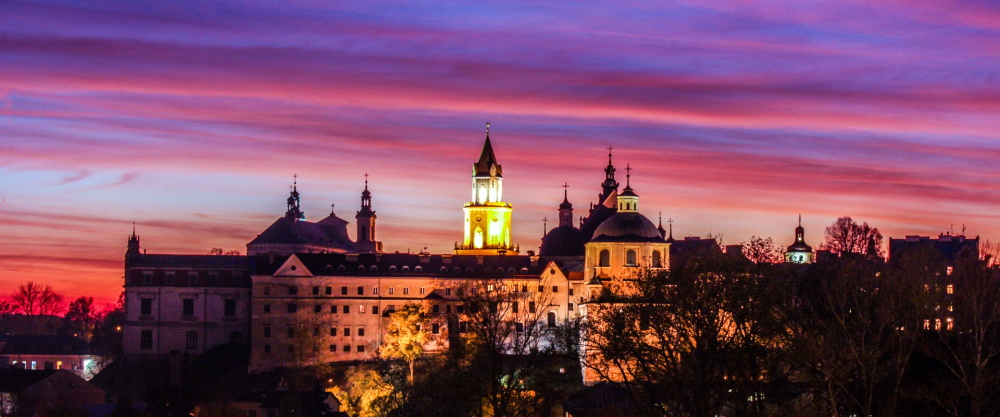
x=366 y=224
x=487 y=217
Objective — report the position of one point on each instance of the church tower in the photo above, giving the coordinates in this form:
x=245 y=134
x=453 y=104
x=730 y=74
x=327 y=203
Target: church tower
x=487 y=217
x=366 y=224
x=799 y=252
x=294 y=212
x=133 y=244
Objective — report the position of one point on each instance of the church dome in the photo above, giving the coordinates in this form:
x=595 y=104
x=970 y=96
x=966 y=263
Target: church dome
x=626 y=227
x=563 y=241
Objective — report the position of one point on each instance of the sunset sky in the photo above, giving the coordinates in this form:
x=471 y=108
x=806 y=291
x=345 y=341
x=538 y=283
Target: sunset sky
x=191 y=119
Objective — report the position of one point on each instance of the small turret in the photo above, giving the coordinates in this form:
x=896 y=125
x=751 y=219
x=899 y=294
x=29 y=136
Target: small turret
x=133 y=244
x=294 y=212
x=565 y=209
x=366 y=223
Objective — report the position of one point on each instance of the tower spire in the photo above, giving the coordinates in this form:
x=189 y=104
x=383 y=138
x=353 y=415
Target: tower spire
x=294 y=211
x=366 y=223
x=565 y=209
x=659 y=228
x=609 y=185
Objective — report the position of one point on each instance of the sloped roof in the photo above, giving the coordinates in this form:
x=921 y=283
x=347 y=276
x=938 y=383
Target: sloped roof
x=16 y=380
x=42 y=345
x=288 y=231
x=189 y=261
x=341 y=264
x=486 y=160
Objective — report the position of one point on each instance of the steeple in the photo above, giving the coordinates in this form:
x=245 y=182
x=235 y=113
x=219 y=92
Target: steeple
x=133 y=243
x=565 y=209
x=670 y=238
x=610 y=184
x=663 y=233
x=487 y=160
x=366 y=224
x=799 y=252
x=294 y=212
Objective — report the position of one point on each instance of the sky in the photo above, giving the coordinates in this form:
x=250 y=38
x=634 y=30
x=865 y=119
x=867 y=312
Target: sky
x=190 y=119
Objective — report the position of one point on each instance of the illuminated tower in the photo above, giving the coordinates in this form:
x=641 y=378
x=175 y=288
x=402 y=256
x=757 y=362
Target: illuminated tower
x=487 y=217
x=799 y=252
x=366 y=224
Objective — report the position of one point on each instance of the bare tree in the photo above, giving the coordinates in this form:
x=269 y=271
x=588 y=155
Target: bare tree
x=691 y=341
x=506 y=323
x=847 y=236
x=35 y=299
x=761 y=250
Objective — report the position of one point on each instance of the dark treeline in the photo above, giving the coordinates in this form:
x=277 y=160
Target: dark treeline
x=851 y=336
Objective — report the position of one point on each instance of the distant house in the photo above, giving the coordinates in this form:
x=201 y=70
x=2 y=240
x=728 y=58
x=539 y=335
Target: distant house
x=50 y=352
x=25 y=392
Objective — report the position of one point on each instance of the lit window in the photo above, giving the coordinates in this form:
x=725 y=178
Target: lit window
x=951 y=269
x=361 y=309
x=951 y=324
x=927 y=324
x=950 y=289
x=937 y=324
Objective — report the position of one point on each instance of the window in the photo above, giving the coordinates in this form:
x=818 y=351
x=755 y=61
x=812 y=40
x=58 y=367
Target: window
x=927 y=324
x=447 y=291
x=435 y=308
x=292 y=307
x=146 y=339
x=347 y=309
x=460 y=309
x=531 y=307
x=436 y=328
x=291 y=332
x=570 y=306
x=406 y=290
x=447 y=309
x=390 y=308
x=463 y=327
x=657 y=260
x=188 y=308
x=292 y=290
x=316 y=332
x=169 y=278
x=267 y=309
x=267 y=348
x=229 y=308
x=191 y=340
x=519 y=327
x=361 y=290
x=374 y=309
x=951 y=324
x=315 y=290
x=267 y=290
x=147 y=277
x=392 y=290
x=329 y=290
x=423 y=290
x=333 y=309
x=361 y=348
x=343 y=290
x=291 y=348
x=236 y=338
x=347 y=332
x=267 y=331
x=555 y=288
x=333 y=332
x=361 y=309
x=146 y=306
x=333 y=348
x=570 y=290
x=347 y=348
x=514 y=307
x=192 y=279
x=604 y=259
x=951 y=269
x=361 y=331
x=375 y=290
x=630 y=257
x=552 y=319
x=950 y=289
x=317 y=308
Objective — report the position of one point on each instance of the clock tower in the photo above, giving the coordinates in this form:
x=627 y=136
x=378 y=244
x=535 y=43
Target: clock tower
x=487 y=217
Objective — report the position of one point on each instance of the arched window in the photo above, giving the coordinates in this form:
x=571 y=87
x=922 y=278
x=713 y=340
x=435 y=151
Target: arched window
x=604 y=259
x=657 y=261
x=552 y=319
x=630 y=257
x=477 y=240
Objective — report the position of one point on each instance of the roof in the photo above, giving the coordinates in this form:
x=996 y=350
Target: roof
x=189 y=261
x=404 y=264
x=328 y=232
x=486 y=160
x=950 y=247
x=42 y=345
x=16 y=380
x=563 y=241
x=627 y=227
